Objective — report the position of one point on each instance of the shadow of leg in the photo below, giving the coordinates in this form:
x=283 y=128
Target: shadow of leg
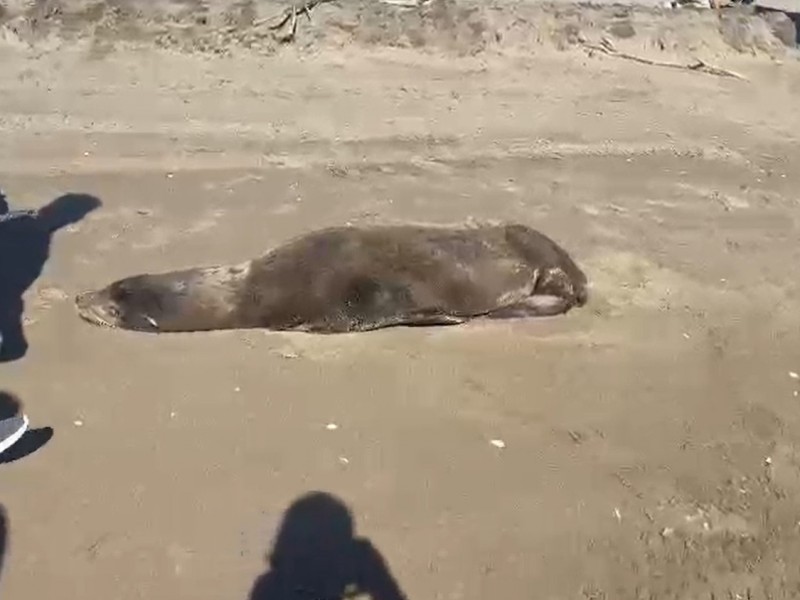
x=13 y=344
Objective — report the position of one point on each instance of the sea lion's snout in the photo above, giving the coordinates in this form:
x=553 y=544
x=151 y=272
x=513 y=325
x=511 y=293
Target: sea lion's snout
x=92 y=308
x=83 y=299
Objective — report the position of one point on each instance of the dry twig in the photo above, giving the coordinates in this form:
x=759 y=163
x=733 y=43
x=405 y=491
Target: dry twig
x=405 y=3
x=607 y=48
x=289 y=15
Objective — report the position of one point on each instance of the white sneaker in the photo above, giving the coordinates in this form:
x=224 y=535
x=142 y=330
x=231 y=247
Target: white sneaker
x=11 y=430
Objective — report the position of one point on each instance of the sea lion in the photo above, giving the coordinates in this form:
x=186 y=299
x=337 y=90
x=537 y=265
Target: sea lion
x=346 y=279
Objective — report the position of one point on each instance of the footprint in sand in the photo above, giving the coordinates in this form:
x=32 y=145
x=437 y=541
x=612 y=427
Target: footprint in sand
x=284 y=209
x=159 y=235
x=208 y=221
x=47 y=296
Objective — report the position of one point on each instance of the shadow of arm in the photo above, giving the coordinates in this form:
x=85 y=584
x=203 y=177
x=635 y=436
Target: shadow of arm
x=375 y=578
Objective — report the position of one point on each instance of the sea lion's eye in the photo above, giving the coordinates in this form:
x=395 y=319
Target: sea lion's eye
x=112 y=310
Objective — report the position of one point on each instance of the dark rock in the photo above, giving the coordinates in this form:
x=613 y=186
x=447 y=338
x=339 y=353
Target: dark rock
x=782 y=26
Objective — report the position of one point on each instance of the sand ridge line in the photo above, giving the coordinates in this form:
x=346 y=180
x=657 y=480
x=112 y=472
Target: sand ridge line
x=206 y=159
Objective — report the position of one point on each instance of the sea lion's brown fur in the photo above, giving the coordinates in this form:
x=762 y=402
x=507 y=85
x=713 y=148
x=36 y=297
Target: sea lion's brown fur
x=355 y=279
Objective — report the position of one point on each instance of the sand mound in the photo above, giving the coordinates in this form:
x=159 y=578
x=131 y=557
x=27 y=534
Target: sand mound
x=462 y=27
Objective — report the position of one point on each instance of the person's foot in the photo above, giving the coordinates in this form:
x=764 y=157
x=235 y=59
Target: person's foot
x=11 y=430
x=13 y=422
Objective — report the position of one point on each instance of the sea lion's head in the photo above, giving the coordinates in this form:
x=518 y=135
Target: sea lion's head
x=199 y=299
x=136 y=303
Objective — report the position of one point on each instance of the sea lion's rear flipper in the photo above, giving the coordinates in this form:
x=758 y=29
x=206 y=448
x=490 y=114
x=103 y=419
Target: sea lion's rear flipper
x=533 y=306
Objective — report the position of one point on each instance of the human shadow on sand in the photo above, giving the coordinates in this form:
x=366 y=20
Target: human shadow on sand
x=25 y=238
x=3 y=538
x=316 y=556
x=31 y=441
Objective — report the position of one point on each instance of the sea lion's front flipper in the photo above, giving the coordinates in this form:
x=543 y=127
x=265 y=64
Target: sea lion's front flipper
x=544 y=305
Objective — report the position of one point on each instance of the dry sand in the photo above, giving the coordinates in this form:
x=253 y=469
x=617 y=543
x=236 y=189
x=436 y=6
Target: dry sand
x=651 y=439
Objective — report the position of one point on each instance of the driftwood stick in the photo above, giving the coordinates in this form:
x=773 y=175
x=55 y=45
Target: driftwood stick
x=289 y=15
x=698 y=65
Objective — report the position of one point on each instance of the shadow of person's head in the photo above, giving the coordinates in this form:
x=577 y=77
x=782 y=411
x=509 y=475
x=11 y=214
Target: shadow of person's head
x=316 y=525
x=25 y=239
x=317 y=554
